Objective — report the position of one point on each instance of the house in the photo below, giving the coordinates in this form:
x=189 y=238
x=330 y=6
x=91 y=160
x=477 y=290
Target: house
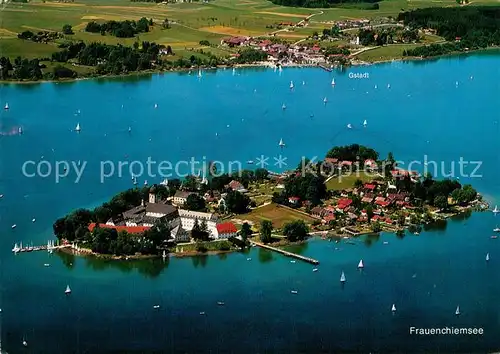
x=346 y=163
x=331 y=161
x=234 y=41
x=317 y=212
x=294 y=200
x=237 y=186
x=179 y=234
x=129 y=229
x=343 y=204
x=188 y=219
x=180 y=197
x=370 y=187
x=370 y=164
x=226 y=230
x=368 y=198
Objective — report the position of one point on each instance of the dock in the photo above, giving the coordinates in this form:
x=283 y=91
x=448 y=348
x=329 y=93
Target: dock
x=286 y=253
x=325 y=68
x=48 y=247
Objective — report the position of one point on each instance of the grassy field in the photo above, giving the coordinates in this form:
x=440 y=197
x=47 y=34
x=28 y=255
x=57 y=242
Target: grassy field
x=393 y=51
x=346 y=182
x=277 y=214
x=193 y=21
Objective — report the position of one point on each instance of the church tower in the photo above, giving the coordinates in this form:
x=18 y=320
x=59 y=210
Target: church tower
x=152 y=195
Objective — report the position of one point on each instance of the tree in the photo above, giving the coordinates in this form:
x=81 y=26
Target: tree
x=261 y=174
x=169 y=50
x=199 y=232
x=166 y=23
x=376 y=227
x=67 y=29
x=369 y=212
x=358 y=183
x=237 y=202
x=266 y=229
x=245 y=231
x=441 y=202
x=295 y=230
x=195 y=202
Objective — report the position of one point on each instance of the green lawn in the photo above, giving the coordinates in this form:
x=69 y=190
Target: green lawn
x=347 y=181
x=392 y=51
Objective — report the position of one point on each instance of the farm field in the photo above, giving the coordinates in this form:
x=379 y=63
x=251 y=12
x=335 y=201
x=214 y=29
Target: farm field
x=279 y=215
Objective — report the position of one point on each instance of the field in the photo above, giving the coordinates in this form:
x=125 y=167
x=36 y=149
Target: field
x=346 y=182
x=277 y=214
x=191 y=22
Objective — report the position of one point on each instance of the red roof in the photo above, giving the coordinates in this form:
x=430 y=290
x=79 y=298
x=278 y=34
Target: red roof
x=316 y=48
x=235 y=185
x=346 y=163
x=265 y=43
x=344 y=203
x=370 y=186
x=129 y=229
x=331 y=160
x=226 y=228
x=370 y=162
x=296 y=199
x=382 y=203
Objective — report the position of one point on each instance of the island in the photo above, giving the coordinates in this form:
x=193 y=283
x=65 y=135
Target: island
x=350 y=33
x=351 y=192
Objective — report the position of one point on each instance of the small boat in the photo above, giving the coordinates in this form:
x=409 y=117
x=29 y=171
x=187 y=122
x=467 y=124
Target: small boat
x=385 y=243
x=294 y=291
x=365 y=123
x=156 y=306
x=494 y=236
x=457 y=311
x=46 y=265
x=250 y=162
x=1 y=196
x=315 y=269
x=220 y=303
x=325 y=100
x=349 y=126
x=78 y=127
x=342 y=278
x=292 y=261
x=135 y=180
x=25 y=343
x=14 y=226
x=156 y=105
x=291 y=85
x=6 y=106
x=129 y=129
x=496 y=229
x=164 y=255
x=68 y=290
x=234 y=71
x=456 y=83
x=487 y=257
x=20 y=130
x=146 y=182
x=393 y=309
x=333 y=82
x=496 y=209
x=375 y=87
x=388 y=86
x=303 y=83
x=199 y=73
x=33 y=220
x=360 y=264
x=249 y=259
x=202 y=313
x=283 y=107
x=281 y=143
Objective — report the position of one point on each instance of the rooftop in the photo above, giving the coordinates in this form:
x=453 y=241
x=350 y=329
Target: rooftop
x=129 y=229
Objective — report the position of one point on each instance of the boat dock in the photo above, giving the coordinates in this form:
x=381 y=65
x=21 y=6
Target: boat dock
x=48 y=247
x=325 y=68
x=286 y=253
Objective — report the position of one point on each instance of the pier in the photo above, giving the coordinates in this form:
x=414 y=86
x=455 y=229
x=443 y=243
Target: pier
x=325 y=68
x=286 y=253
x=48 y=247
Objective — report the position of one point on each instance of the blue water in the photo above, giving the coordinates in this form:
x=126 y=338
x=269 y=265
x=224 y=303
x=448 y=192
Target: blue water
x=236 y=118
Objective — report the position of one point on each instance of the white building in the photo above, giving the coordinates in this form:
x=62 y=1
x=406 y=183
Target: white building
x=226 y=230
x=180 y=235
x=180 y=197
x=188 y=219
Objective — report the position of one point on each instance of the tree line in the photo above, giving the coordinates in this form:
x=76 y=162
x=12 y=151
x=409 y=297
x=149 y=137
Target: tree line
x=470 y=27
x=322 y=3
x=121 y=29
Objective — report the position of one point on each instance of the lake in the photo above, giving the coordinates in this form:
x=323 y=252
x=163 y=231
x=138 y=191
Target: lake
x=443 y=111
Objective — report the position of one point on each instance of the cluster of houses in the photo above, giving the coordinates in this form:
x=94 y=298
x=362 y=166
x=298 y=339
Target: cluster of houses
x=181 y=221
x=299 y=54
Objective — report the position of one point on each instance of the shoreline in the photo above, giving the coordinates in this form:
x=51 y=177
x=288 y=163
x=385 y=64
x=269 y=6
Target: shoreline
x=355 y=63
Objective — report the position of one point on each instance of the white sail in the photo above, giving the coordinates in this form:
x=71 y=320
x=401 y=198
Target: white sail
x=393 y=309
x=457 y=311
x=68 y=290
x=199 y=73
x=281 y=143
x=283 y=106
x=6 y=106
x=20 y=130
x=129 y=129
x=388 y=85
x=349 y=126
x=78 y=127
x=360 y=264
x=342 y=278
x=234 y=71
x=303 y=83
x=164 y=255
x=496 y=209
x=291 y=84
x=325 y=100
x=333 y=82
x=487 y=257
x=365 y=123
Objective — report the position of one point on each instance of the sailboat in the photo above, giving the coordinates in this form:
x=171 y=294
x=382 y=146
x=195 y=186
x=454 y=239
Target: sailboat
x=156 y=105
x=342 y=278
x=78 y=127
x=135 y=180
x=281 y=143
x=388 y=86
x=325 y=100
x=283 y=106
x=303 y=83
x=6 y=106
x=294 y=291
x=496 y=209
x=20 y=130
x=129 y=129
x=315 y=269
x=333 y=82
x=365 y=123
x=349 y=126
x=14 y=226
x=156 y=306
x=496 y=229
x=25 y=343
x=164 y=255
x=68 y=290
x=16 y=248
x=234 y=71
x=375 y=87
x=487 y=257
x=199 y=73
x=291 y=85
x=146 y=182
x=393 y=309
x=360 y=264
x=457 y=311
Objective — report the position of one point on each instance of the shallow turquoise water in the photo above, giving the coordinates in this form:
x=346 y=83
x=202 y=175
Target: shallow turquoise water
x=110 y=309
